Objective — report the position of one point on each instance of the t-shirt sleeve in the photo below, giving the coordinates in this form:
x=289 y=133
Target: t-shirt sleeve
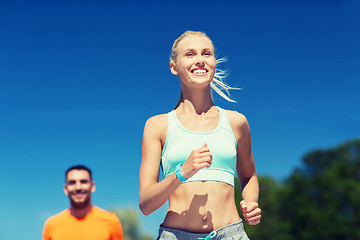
x=46 y=233
x=117 y=230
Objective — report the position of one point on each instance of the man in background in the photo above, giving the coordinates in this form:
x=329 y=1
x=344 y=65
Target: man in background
x=82 y=221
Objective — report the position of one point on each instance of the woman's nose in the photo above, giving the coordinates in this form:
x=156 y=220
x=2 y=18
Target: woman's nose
x=200 y=60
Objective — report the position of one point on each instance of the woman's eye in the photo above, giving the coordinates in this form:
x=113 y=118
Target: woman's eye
x=190 y=54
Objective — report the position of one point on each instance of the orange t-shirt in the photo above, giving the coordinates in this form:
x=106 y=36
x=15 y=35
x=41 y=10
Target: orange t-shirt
x=98 y=224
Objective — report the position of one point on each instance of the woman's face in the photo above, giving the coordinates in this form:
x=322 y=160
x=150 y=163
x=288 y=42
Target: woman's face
x=195 y=63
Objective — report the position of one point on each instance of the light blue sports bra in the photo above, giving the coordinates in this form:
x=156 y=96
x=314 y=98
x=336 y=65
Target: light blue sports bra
x=180 y=142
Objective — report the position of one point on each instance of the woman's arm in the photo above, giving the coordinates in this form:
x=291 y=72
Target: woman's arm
x=246 y=169
x=245 y=163
x=152 y=193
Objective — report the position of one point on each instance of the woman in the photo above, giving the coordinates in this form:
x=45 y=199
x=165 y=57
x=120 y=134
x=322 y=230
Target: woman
x=200 y=147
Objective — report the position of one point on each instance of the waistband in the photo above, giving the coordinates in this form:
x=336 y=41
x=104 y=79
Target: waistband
x=222 y=233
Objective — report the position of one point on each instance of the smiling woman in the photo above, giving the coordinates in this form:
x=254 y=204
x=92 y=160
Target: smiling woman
x=200 y=148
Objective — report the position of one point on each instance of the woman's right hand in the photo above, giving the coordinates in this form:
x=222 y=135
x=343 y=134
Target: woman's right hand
x=198 y=159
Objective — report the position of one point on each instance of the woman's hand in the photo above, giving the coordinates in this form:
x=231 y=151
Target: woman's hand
x=198 y=159
x=251 y=212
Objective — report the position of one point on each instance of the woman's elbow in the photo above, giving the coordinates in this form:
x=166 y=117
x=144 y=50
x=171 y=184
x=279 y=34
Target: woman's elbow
x=144 y=207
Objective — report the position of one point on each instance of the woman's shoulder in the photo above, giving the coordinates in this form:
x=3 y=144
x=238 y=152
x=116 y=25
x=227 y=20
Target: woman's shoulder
x=238 y=123
x=157 y=123
x=236 y=118
x=157 y=119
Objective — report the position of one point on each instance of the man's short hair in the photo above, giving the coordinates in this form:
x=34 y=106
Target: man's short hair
x=78 y=167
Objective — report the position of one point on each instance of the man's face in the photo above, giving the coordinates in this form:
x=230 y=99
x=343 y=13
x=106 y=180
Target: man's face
x=79 y=187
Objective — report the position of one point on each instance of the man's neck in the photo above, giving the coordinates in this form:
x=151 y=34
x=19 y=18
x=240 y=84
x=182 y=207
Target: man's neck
x=80 y=213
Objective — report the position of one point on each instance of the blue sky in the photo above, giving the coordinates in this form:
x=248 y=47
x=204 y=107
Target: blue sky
x=78 y=79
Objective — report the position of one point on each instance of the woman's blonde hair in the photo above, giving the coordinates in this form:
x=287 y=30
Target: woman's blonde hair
x=217 y=84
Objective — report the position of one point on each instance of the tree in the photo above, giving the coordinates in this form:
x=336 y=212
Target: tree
x=130 y=223
x=319 y=200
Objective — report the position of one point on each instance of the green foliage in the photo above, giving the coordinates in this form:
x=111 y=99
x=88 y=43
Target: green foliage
x=131 y=225
x=319 y=200
x=325 y=194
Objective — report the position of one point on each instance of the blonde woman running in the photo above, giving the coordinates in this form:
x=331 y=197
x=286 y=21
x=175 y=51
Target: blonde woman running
x=200 y=148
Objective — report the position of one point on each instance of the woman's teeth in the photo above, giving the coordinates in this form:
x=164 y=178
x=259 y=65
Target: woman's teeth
x=200 y=71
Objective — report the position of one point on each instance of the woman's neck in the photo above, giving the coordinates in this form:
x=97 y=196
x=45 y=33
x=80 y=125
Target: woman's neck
x=197 y=101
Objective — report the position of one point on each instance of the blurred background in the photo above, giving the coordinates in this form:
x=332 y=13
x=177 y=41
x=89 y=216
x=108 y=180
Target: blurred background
x=78 y=80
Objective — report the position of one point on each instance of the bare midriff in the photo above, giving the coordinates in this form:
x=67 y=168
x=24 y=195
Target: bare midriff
x=201 y=207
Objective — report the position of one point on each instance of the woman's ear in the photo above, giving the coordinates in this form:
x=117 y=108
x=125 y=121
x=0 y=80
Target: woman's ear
x=173 y=68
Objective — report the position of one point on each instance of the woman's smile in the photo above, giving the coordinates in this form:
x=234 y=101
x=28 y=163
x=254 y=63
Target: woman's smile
x=199 y=71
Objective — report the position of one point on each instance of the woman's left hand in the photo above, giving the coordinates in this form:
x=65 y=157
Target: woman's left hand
x=251 y=212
